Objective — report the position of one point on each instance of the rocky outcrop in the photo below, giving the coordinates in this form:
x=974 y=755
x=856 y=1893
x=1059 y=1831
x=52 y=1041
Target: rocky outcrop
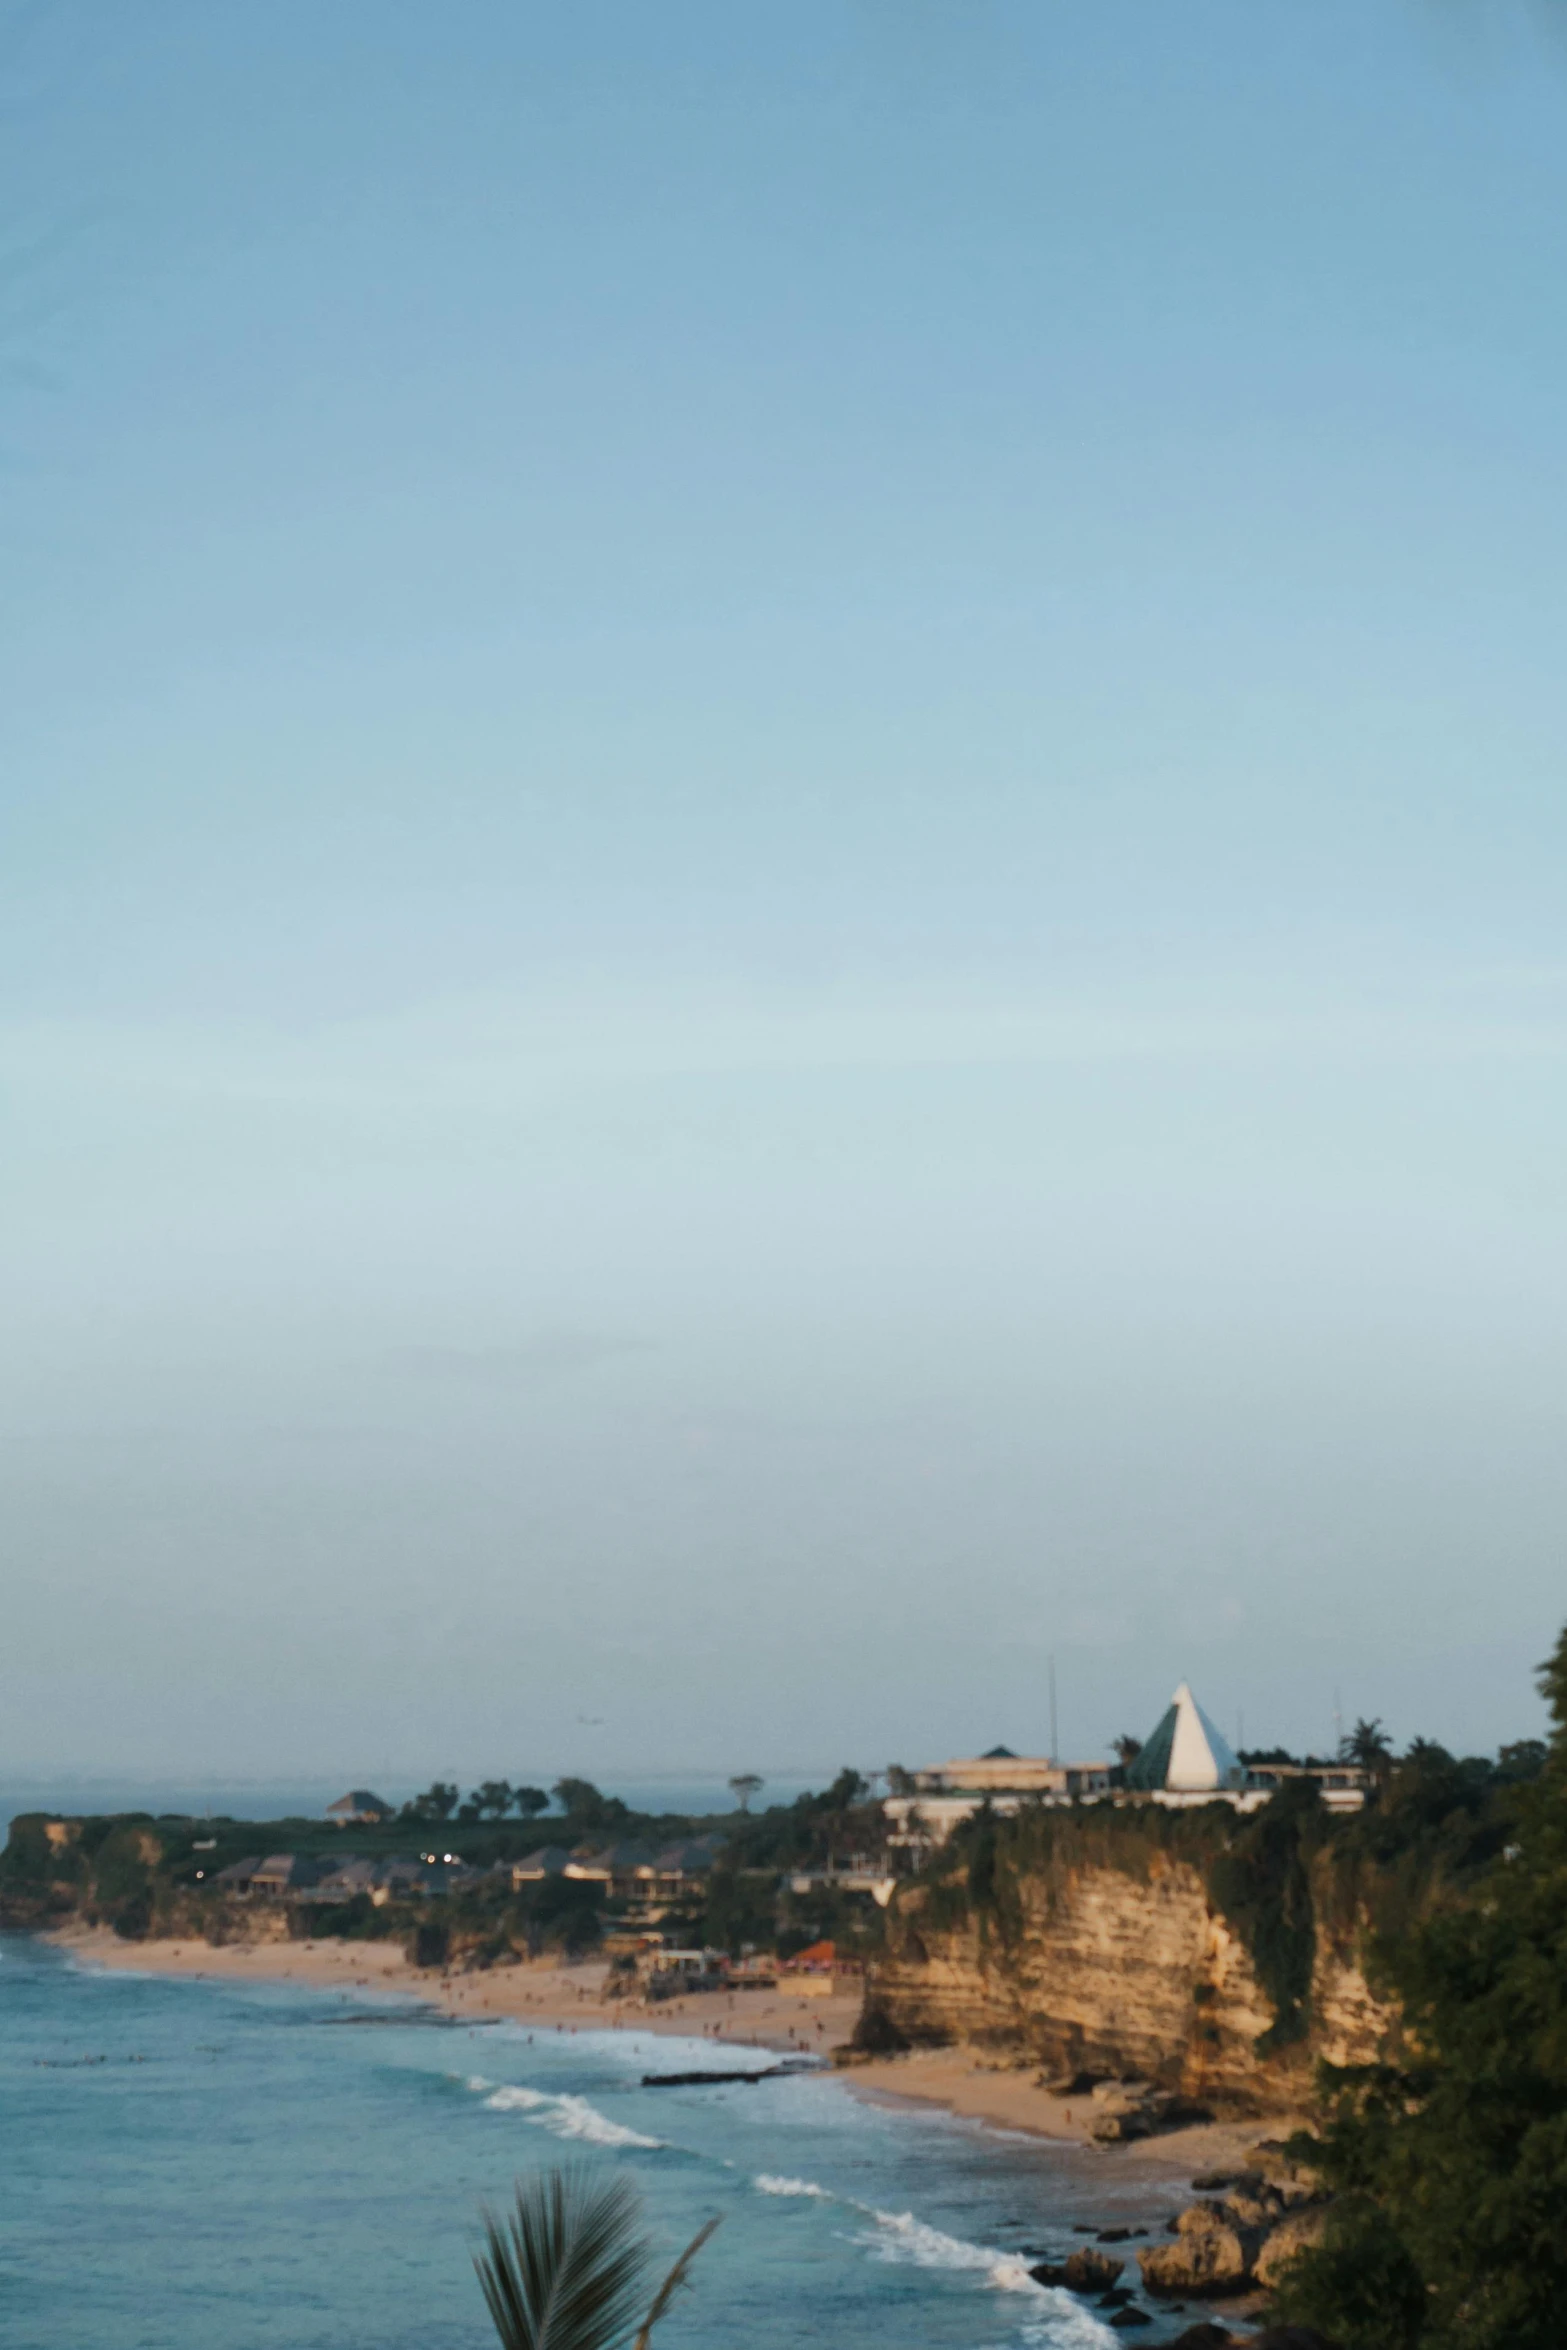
x=1083 y=2271
x=1111 y=1970
x=1212 y=2253
x=1235 y=2244
x=1123 y=2110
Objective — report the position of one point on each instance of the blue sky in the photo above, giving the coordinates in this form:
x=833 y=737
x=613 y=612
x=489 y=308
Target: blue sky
x=781 y=867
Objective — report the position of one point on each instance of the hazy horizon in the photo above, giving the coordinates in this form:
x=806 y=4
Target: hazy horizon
x=782 y=851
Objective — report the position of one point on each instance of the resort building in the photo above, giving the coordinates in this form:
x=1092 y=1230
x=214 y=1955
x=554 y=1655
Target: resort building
x=1342 y=1786
x=653 y=1879
x=949 y=1793
x=551 y=1860
x=284 y=1874
x=359 y=1805
x=1185 y=1758
x=1001 y=1772
x=1185 y=1761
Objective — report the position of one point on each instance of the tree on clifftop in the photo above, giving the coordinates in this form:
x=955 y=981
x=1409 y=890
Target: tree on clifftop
x=1452 y=2170
x=1368 y=1746
x=587 y=1811
x=438 y=1802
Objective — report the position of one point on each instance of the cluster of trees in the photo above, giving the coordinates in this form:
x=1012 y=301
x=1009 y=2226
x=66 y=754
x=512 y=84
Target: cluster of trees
x=581 y=1804
x=579 y=1800
x=492 y=1799
x=1451 y=2166
x=1369 y=1747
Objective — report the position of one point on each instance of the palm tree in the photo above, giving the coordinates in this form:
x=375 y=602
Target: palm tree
x=568 y=2269
x=1368 y=1745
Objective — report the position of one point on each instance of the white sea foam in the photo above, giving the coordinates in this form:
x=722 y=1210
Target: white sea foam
x=769 y=2183
x=1067 y=2326
x=566 y=2117
x=510 y=2100
x=902 y=2237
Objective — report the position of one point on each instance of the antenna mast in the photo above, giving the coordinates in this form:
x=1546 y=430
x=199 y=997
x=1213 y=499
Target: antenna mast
x=1055 y=1746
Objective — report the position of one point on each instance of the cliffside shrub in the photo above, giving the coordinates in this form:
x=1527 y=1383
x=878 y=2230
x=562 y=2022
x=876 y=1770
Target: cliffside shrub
x=123 y=1886
x=428 y=1944
x=875 y=2033
x=133 y=1918
x=1261 y=1883
x=1361 y=2284
x=29 y=1862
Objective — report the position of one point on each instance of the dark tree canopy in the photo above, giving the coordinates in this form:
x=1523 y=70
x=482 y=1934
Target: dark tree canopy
x=438 y=1802
x=1367 y=1745
x=585 y=1808
x=1449 y=2231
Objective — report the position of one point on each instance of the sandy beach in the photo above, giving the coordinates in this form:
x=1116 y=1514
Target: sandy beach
x=540 y=1992
x=971 y=2085
x=573 y=1997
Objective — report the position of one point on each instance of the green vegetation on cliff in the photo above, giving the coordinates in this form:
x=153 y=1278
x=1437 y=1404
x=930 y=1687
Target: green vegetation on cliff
x=1449 y=2233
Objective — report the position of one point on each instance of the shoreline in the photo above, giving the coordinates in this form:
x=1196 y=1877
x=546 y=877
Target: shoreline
x=570 y=1997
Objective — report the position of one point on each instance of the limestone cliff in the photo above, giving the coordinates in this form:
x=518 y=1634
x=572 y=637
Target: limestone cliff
x=1092 y=1947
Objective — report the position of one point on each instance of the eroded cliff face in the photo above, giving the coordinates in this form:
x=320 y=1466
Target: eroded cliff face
x=1097 y=1969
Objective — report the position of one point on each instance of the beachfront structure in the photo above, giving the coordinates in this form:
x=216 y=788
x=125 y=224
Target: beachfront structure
x=644 y=1875
x=285 y=1873
x=350 y=1877
x=817 y=1972
x=551 y=1860
x=666 y=1974
x=295 y=1876
x=359 y=1805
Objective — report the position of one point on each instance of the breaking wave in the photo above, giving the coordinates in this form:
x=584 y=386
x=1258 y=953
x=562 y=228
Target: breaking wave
x=902 y=2237
x=769 y=2183
x=563 y=2116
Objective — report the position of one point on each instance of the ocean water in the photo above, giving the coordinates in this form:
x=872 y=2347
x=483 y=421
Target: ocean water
x=206 y=2166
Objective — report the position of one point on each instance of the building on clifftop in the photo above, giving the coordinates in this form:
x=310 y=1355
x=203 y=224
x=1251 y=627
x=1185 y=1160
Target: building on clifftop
x=1185 y=1755
x=359 y=1805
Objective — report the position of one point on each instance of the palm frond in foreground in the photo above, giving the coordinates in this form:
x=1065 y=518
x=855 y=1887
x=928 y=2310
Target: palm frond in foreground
x=567 y=2269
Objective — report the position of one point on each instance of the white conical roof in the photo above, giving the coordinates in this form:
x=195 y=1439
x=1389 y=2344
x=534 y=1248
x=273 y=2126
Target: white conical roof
x=1200 y=1756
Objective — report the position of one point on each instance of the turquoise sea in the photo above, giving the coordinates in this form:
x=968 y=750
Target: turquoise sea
x=205 y=2166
